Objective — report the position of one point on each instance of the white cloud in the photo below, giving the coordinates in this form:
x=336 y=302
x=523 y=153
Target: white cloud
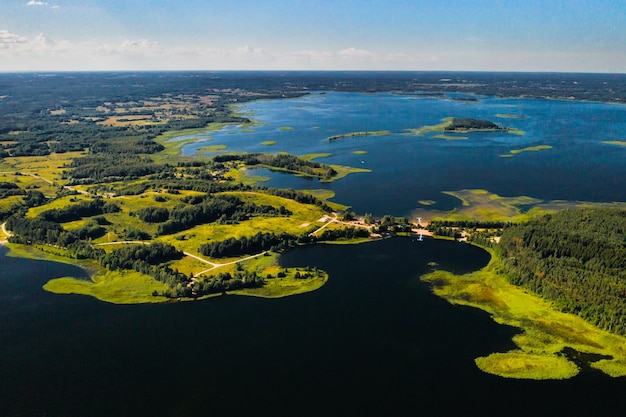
x=41 y=53
x=140 y=47
x=37 y=3
x=356 y=53
x=7 y=39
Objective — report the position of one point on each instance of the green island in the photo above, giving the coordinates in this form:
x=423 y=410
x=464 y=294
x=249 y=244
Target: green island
x=358 y=134
x=537 y=148
x=427 y=202
x=615 y=142
x=464 y=125
x=269 y=142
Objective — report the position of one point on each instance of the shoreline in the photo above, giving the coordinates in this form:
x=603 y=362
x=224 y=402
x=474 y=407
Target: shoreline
x=545 y=332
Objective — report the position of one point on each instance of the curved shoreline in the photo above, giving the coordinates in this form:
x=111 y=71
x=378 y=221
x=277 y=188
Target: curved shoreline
x=545 y=332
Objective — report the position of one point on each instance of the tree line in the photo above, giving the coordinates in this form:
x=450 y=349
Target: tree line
x=77 y=211
x=574 y=258
x=234 y=247
x=222 y=208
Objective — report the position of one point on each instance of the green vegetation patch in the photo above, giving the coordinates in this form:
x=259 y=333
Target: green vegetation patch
x=358 y=134
x=118 y=287
x=268 y=142
x=359 y=152
x=427 y=202
x=545 y=331
x=615 y=142
x=537 y=148
x=173 y=147
x=450 y=137
x=285 y=128
x=211 y=149
x=482 y=205
x=344 y=171
x=524 y=365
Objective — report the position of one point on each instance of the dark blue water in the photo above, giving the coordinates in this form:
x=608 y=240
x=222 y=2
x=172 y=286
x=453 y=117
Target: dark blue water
x=373 y=341
x=407 y=169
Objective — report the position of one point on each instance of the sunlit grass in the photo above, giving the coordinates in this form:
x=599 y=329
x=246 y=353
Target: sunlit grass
x=523 y=365
x=427 y=202
x=344 y=171
x=118 y=287
x=537 y=148
x=211 y=149
x=615 y=142
x=450 y=137
x=59 y=203
x=545 y=331
x=326 y=195
x=173 y=148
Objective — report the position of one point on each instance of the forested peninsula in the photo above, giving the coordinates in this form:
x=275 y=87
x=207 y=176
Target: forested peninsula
x=574 y=258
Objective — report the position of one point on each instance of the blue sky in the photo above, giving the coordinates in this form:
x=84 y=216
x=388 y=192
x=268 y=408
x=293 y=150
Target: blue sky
x=500 y=35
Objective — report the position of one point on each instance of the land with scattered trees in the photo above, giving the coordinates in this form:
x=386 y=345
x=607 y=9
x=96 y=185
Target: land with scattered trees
x=87 y=176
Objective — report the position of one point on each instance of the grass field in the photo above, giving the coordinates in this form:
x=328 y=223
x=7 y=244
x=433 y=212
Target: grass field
x=544 y=331
x=127 y=287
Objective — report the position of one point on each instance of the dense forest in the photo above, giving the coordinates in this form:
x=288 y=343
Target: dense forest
x=576 y=259
x=471 y=124
x=232 y=247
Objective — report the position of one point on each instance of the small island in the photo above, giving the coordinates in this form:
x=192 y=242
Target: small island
x=357 y=134
x=537 y=148
x=465 y=125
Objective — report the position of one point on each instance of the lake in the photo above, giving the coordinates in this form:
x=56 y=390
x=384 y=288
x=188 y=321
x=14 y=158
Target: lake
x=409 y=168
x=374 y=340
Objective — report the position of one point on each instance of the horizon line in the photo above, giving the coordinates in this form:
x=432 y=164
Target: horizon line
x=301 y=71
